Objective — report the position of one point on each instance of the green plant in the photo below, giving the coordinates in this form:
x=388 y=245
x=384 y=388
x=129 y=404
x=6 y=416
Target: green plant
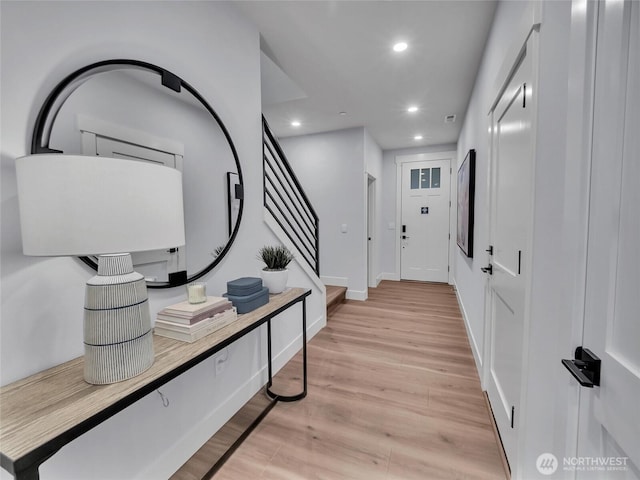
x=275 y=257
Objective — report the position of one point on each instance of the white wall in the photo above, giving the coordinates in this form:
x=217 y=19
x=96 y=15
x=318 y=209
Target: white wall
x=373 y=166
x=469 y=280
x=331 y=169
x=210 y=45
x=389 y=231
x=546 y=409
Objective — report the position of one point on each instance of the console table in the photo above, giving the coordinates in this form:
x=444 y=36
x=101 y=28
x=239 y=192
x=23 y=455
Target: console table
x=42 y=413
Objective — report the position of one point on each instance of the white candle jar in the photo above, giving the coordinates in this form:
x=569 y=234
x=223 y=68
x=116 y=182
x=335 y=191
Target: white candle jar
x=197 y=292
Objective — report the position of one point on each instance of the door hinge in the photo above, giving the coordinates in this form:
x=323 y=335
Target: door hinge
x=585 y=367
x=490 y=250
x=513 y=415
x=524 y=95
x=448 y=268
x=449 y=236
x=519 y=261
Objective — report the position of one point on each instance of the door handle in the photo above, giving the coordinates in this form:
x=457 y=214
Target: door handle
x=488 y=269
x=585 y=368
x=404 y=237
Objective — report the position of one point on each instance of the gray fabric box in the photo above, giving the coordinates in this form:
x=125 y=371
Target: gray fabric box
x=247 y=303
x=244 y=286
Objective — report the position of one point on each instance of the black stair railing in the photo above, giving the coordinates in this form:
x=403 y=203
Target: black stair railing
x=285 y=199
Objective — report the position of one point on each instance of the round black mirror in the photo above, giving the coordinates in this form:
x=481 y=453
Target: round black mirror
x=136 y=110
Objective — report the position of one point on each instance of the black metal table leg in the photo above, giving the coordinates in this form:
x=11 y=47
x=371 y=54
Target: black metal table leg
x=299 y=396
x=30 y=473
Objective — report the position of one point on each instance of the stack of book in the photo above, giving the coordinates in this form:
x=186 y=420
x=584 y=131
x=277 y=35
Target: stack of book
x=190 y=322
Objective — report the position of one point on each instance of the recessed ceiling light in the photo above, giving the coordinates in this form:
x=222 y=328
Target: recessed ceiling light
x=400 y=47
x=418 y=137
x=295 y=123
x=342 y=113
x=412 y=109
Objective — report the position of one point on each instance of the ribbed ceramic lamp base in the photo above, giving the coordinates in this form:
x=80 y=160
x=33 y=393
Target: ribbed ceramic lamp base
x=117 y=325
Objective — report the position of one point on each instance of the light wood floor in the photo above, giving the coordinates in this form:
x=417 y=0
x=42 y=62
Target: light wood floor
x=393 y=394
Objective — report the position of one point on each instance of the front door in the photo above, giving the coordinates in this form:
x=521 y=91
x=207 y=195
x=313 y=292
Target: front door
x=510 y=231
x=609 y=418
x=425 y=210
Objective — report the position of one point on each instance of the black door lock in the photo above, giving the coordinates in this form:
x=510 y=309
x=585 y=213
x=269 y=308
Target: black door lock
x=585 y=368
x=488 y=269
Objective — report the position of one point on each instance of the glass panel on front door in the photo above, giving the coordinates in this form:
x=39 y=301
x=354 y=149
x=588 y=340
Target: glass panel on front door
x=435 y=177
x=415 y=178
x=425 y=178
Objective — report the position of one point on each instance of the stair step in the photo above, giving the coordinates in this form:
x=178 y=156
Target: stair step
x=335 y=296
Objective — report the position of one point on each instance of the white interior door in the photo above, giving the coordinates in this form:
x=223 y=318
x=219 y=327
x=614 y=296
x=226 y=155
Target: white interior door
x=510 y=219
x=425 y=221
x=371 y=231
x=109 y=147
x=609 y=420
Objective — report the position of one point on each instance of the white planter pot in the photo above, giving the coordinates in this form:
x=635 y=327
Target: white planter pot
x=275 y=280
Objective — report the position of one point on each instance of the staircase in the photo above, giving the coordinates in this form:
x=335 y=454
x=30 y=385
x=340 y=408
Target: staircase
x=287 y=203
x=335 y=297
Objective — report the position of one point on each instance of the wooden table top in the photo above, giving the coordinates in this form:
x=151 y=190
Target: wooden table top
x=54 y=403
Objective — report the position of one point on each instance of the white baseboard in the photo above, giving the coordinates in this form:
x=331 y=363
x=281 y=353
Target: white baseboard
x=472 y=341
x=335 y=281
x=191 y=442
x=356 y=295
x=344 y=282
x=390 y=276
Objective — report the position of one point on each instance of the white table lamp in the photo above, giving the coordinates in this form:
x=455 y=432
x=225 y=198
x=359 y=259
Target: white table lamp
x=74 y=205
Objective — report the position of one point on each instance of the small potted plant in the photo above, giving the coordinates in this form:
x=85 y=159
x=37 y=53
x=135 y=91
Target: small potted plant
x=275 y=274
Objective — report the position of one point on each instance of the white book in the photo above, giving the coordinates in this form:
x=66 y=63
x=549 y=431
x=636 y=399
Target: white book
x=192 y=320
x=188 y=310
x=219 y=321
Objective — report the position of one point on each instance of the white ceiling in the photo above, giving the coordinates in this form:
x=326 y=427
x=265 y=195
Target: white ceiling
x=339 y=54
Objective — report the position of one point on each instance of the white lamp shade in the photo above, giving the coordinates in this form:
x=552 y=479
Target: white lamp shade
x=91 y=205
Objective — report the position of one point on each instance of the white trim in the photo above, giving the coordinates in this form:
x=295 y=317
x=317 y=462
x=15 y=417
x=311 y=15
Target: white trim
x=393 y=276
x=103 y=128
x=472 y=340
x=580 y=104
x=529 y=22
x=371 y=245
x=335 y=281
x=450 y=155
x=361 y=295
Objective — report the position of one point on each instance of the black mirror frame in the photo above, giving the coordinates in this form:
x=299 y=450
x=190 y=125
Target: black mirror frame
x=46 y=118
